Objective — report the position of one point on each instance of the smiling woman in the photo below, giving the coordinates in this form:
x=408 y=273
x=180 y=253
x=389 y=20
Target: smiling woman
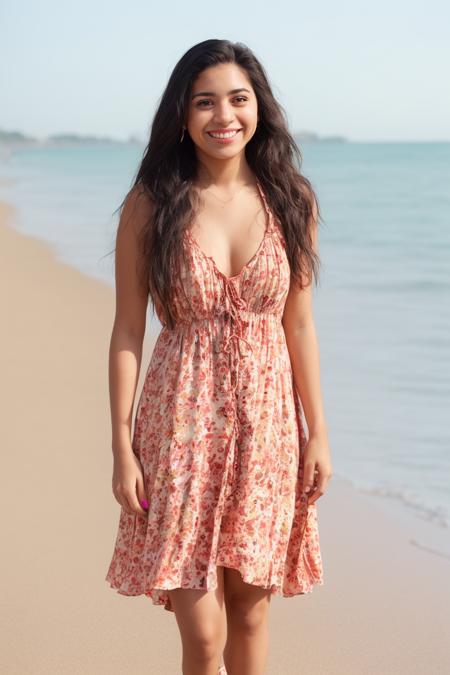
x=220 y=228
x=222 y=117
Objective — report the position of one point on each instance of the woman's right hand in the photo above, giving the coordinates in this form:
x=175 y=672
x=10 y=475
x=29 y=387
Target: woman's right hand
x=128 y=483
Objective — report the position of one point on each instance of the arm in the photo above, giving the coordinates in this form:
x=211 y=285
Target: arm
x=125 y=352
x=298 y=323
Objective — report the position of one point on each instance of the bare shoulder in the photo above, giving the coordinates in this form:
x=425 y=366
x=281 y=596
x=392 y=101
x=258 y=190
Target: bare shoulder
x=137 y=210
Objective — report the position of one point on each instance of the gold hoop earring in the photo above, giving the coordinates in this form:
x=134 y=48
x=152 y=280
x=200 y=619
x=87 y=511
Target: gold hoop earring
x=182 y=135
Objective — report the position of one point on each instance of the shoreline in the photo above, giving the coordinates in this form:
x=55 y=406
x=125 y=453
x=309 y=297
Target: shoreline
x=384 y=605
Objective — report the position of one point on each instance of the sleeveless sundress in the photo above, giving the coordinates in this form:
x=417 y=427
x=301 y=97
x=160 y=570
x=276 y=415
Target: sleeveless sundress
x=218 y=432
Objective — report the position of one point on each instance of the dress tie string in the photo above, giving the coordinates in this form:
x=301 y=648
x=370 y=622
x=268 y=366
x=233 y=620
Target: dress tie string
x=236 y=324
x=234 y=328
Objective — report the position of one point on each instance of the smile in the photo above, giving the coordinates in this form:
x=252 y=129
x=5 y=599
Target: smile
x=223 y=135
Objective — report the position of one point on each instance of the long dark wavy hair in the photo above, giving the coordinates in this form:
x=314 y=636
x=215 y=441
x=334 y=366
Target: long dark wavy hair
x=169 y=168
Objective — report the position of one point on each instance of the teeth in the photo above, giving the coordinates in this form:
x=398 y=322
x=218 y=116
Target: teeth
x=230 y=134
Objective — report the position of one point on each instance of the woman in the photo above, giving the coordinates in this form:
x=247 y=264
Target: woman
x=220 y=229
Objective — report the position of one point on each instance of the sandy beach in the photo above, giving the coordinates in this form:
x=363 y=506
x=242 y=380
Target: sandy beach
x=384 y=605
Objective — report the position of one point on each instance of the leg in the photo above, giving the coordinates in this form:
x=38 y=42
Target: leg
x=247 y=608
x=201 y=618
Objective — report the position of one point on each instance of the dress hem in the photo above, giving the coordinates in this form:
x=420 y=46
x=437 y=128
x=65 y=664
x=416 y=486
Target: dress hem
x=159 y=597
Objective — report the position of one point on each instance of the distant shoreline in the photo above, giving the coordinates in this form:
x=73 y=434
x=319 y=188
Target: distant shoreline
x=18 y=139
x=7 y=146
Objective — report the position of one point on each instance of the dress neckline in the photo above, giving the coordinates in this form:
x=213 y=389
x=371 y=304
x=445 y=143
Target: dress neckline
x=267 y=232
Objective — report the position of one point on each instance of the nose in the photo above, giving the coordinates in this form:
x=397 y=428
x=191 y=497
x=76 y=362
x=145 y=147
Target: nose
x=223 y=113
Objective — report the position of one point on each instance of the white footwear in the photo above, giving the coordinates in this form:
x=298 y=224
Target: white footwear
x=222 y=670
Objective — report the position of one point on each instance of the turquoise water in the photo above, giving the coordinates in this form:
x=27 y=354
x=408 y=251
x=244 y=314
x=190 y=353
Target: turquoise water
x=382 y=309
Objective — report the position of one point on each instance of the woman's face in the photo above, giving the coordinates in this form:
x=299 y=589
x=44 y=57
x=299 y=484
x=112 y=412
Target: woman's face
x=222 y=100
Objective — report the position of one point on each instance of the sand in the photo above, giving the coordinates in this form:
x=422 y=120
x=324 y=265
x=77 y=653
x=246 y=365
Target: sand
x=384 y=605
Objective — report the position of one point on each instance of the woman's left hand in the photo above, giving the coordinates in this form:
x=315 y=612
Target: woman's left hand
x=317 y=469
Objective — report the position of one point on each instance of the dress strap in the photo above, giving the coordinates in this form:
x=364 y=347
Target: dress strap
x=266 y=206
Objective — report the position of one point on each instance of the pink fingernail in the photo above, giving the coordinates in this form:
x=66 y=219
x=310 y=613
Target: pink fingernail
x=144 y=503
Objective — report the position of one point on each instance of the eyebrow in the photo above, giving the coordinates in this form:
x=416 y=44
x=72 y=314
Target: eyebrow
x=212 y=93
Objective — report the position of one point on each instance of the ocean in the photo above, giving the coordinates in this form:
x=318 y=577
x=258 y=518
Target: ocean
x=382 y=307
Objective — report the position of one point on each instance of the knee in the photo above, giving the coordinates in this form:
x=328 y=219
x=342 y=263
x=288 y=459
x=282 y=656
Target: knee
x=248 y=617
x=203 y=645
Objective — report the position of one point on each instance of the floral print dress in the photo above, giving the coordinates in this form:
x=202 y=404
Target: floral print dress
x=219 y=436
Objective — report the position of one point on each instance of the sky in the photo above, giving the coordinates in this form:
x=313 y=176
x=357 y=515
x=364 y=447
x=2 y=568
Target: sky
x=375 y=71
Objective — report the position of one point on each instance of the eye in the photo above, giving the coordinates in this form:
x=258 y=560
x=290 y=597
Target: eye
x=239 y=99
